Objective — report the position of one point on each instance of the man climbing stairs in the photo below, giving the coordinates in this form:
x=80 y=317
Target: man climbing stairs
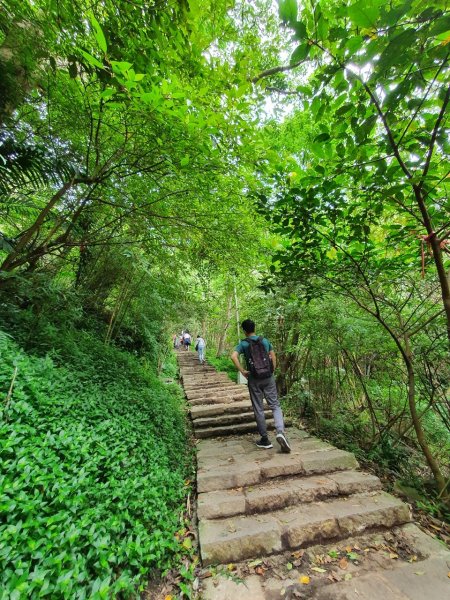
x=262 y=506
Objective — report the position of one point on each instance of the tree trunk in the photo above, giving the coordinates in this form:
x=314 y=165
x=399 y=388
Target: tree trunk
x=432 y=463
x=435 y=244
x=12 y=260
x=223 y=334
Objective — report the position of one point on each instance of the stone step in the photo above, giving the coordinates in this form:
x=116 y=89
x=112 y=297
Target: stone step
x=278 y=494
x=240 y=463
x=206 y=380
x=238 y=538
x=220 y=385
x=232 y=398
x=194 y=369
x=209 y=410
x=225 y=419
x=225 y=430
x=217 y=392
x=212 y=401
x=419 y=572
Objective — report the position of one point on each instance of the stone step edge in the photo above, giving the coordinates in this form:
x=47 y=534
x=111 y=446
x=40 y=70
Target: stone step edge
x=211 y=401
x=232 y=429
x=276 y=494
x=192 y=387
x=230 y=419
x=228 y=408
x=313 y=464
x=244 y=537
x=219 y=393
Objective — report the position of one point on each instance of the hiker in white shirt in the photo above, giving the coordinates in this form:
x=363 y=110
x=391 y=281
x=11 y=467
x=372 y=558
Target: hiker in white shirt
x=200 y=347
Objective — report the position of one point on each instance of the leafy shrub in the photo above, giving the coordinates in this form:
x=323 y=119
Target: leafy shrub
x=93 y=469
x=222 y=363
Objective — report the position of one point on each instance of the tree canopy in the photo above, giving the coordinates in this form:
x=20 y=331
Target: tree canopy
x=184 y=164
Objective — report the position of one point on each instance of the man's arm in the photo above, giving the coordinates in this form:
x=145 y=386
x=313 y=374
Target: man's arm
x=273 y=359
x=235 y=358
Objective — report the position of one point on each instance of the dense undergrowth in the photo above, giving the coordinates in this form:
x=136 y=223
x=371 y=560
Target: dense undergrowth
x=222 y=363
x=94 y=463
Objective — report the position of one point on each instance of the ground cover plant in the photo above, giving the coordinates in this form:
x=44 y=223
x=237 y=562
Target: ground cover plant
x=94 y=461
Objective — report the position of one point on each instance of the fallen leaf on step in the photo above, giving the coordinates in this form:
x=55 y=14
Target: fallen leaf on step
x=421 y=573
x=230 y=566
x=254 y=563
x=259 y=571
x=289 y=566
x=318 y=570
x=334 y=576
x=347 y=576
x=393 y=555
x=298 y=553
x=348 y=548
x=231 y=528
x=304 y=579
x=343 y=563
x=205 y=574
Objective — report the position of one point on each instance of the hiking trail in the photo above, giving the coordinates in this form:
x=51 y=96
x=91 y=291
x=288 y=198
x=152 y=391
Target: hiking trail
x=309 y=524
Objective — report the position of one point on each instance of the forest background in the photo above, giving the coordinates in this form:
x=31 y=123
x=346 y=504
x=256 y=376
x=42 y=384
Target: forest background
x=169 y=165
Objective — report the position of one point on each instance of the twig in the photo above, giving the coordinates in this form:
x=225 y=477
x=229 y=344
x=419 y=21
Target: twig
x=188 y=505
x=9 y=394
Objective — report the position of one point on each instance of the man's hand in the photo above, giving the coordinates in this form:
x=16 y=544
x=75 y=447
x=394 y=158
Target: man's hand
x=235 y=358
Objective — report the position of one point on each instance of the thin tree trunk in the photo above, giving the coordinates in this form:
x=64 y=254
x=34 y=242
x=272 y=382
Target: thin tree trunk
x=432 y=463
x=11 y=261
x=223 y=334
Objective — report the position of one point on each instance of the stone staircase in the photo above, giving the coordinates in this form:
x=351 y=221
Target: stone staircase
x=255 y=503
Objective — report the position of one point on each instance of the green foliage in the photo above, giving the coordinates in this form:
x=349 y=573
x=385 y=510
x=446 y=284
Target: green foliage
x=93 y=471
x=222 y=363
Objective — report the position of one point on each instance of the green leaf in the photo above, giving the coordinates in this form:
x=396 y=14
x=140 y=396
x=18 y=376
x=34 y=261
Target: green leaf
x=300 y=53
x=393 y=53
x=344 y=109
x=99 y=35
x=184 y=161
x=91 y=59
x=364 y=13
x=322 y=137
x=187 y=543
x=287 y=10
x=300 y=30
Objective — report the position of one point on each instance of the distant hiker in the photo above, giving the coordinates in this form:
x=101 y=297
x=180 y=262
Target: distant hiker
x=200 y=347
x=187 y=340
x=261 y=362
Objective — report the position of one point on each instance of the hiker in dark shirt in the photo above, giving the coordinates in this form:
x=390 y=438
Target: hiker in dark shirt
x=261 y=362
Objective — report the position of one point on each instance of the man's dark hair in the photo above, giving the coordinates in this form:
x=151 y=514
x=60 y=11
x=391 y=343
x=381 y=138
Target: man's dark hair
x=248 y=326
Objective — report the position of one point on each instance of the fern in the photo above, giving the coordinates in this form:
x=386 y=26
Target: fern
x=22 y=165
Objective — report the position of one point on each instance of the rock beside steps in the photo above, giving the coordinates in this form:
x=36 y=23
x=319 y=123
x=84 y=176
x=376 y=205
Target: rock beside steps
x=255 y=503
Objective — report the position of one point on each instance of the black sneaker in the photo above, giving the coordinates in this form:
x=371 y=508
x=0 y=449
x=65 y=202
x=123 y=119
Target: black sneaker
x=264 y=442
x=282 y=440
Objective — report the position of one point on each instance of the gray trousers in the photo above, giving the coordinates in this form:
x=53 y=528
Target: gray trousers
x=260 y=389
